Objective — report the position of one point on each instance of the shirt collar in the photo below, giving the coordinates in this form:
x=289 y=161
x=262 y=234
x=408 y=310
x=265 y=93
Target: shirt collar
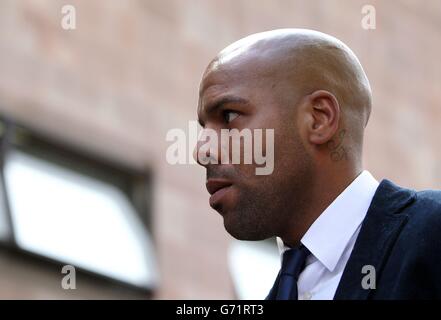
x=329 y=235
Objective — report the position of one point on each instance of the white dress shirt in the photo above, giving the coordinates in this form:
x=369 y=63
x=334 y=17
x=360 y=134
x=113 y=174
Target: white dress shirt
x=331 y=238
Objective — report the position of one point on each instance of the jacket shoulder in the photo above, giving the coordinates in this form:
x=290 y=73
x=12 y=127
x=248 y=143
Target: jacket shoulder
x=428 y=203
x=425 y=214
x=429 y=195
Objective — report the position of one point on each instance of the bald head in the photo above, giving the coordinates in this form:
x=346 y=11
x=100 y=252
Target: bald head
x=309 y=60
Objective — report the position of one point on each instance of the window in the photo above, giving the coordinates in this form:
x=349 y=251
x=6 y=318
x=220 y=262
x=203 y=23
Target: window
x=5 y=229
x=72 y=209
x=254 y=266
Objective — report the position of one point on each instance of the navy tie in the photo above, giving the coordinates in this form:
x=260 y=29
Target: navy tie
x=285 y=286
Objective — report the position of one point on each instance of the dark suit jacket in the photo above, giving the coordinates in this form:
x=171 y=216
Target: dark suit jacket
x=401 y=238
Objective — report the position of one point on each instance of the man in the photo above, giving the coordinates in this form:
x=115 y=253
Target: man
x=343 y=234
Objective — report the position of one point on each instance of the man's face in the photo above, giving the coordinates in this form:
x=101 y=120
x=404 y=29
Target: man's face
x=254 y=207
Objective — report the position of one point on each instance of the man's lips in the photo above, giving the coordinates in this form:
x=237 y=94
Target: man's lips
x=217 y=188
x=214 y=185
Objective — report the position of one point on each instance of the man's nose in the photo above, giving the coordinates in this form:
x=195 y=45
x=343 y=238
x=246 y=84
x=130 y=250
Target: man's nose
x=207 y=149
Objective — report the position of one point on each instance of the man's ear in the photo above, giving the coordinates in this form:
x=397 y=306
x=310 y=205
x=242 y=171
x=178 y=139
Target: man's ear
x=323 y=117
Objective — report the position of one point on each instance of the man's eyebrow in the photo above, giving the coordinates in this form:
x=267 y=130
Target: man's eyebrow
x=213 y=106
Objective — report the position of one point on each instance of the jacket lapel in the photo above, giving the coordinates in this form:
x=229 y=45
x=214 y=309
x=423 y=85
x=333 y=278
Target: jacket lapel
x=379 y=230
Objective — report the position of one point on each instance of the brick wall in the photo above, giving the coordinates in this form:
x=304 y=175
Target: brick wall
x=131 y=69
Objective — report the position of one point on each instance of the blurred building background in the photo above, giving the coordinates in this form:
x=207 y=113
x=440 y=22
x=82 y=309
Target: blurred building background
x=106 y=93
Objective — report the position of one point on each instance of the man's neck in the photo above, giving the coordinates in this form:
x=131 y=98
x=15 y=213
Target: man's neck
x=327 y=187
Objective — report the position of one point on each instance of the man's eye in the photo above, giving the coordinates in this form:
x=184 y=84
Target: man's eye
x=230 y=115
